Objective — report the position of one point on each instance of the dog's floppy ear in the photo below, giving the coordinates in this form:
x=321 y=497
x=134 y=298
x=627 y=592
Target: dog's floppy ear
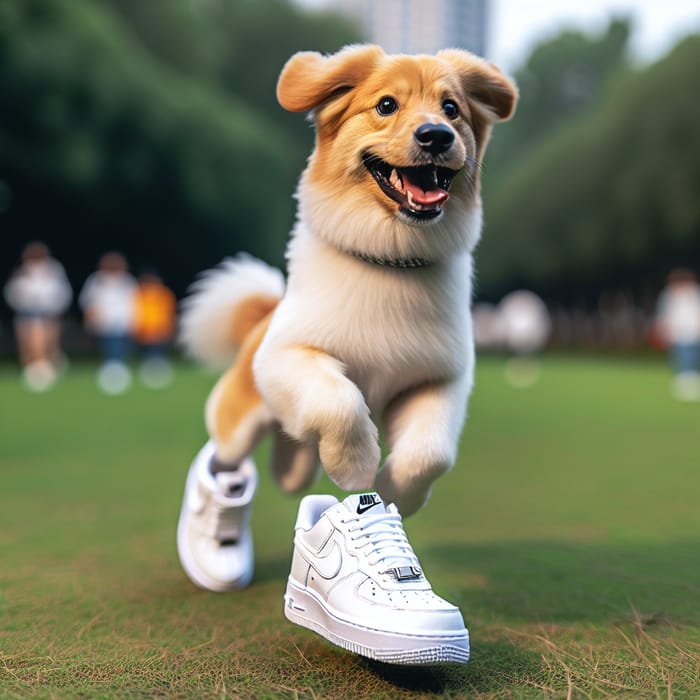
x=483 y=84
x=309 y=79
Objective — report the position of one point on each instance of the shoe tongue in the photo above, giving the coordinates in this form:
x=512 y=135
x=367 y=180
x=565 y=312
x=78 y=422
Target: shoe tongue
x=361 y=503
x=230 y=484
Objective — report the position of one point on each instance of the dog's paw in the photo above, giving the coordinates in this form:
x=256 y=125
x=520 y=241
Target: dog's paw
x=351 y=458
x=406 y=486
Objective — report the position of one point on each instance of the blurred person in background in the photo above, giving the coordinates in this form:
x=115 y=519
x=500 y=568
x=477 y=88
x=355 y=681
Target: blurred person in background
x=108 y=303
x=525 y=324
x=678 y=324
x=39 y=293
x=153 y=329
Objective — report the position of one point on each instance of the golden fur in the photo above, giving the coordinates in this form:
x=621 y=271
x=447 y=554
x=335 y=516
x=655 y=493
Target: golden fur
x=374 y=322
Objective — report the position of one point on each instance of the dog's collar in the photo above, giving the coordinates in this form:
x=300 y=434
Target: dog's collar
x=398 y=263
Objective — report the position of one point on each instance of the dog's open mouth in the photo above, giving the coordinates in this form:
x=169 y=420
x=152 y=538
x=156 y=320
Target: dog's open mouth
x=420 y=191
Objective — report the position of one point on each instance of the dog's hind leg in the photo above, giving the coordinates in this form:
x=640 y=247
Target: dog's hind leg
x=236 y=416
x=423 y=427
x=295 y=465
x=237 y=419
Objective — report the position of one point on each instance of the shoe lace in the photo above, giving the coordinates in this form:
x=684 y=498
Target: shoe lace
x=223 y=522
x=383 y=541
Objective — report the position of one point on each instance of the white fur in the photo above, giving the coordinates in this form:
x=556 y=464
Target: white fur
x=394 y=344
x=205 y=324
x=331 y=212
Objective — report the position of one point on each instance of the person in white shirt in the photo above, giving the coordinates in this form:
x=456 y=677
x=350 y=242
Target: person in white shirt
x=525 y=325
x=108 y=303
x=39 y=293
x=678 y=324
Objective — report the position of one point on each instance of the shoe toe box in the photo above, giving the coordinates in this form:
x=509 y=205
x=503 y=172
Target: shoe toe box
x=405 y=609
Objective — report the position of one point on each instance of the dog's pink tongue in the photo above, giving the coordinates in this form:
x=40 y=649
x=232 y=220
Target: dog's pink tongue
x=420 y=196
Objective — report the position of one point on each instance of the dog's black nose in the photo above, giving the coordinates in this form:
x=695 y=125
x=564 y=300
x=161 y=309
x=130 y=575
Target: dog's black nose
x=434 y=138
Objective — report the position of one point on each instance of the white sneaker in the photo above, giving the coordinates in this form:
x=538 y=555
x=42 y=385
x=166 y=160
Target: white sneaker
x=213 y=534
x=356 y=581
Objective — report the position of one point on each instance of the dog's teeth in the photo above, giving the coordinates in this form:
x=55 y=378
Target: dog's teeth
x=412 y=202
x=395 y=179
x=435 y=177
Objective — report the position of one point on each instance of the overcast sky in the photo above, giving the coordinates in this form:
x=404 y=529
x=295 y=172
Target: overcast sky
x=517 y=25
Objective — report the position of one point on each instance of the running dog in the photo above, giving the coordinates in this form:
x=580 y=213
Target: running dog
x=373 y=323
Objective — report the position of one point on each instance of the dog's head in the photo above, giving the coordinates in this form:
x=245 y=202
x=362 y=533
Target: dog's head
x=399 y=145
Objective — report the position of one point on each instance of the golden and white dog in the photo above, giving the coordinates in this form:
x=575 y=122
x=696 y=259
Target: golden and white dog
x=373 y=323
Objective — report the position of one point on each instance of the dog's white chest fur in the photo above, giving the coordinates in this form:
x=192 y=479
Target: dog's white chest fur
x=390 y=328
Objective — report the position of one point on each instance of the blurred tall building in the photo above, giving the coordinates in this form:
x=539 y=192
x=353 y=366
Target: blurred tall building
x=420 y=26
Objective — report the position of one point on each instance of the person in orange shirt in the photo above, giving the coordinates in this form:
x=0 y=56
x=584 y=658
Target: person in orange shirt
x=153 y=328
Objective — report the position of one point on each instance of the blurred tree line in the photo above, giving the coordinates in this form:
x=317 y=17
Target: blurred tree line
x=152 y=128
x=593 y=186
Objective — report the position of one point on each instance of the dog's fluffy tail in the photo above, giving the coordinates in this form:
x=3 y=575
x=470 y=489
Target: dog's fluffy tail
x=224 y=305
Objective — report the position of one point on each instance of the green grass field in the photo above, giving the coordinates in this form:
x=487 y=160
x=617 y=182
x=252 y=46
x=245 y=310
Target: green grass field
x=569 y=535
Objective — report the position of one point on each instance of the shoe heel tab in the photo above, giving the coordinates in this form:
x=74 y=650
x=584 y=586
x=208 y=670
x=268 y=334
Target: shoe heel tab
x=311 y=509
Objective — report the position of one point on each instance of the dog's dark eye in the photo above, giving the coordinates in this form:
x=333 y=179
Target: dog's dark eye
x=450 y=109
x=386 y=106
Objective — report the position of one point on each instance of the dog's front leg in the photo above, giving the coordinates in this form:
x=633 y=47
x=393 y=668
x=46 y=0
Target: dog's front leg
x=314 y=401
x=423 y=427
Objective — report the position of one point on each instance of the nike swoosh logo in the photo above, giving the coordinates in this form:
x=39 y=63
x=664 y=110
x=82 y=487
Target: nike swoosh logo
x=363 y=509
x=327 y=565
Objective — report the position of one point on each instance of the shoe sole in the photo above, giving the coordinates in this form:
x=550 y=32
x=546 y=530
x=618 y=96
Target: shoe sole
x=303 y=608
